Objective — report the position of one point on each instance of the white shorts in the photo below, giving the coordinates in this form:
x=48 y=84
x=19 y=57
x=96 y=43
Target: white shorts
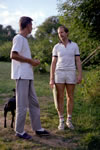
x=68 y=77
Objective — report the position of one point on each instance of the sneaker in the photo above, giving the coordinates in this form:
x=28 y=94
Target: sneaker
x=42 y=133
x=70 y=125
x=61 y=126
x=24 y=136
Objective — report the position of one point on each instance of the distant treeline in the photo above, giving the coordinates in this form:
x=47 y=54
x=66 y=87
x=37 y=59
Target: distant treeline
x=80 y=16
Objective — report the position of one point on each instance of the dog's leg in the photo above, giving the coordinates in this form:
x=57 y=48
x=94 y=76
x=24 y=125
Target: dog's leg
x=5 y=115
x=13 y=115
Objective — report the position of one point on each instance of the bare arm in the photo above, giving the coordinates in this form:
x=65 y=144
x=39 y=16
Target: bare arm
x=52 y=71
x=14 y=55
x=79 y=68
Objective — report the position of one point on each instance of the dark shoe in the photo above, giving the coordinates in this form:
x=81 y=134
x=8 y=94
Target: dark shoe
x=24 y=136
x=42 y=133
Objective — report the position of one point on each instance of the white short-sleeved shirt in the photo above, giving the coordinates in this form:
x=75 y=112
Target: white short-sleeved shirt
x=21 y=69
x=66 y=55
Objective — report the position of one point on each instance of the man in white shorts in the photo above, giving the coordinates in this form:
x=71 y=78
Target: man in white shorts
x=65 y=59
x=22 y=72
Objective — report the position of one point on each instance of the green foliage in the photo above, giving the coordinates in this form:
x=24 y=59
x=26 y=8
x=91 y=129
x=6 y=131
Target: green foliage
x=90 y=17
x=45 y=38
x=82 y=19
x=87 y=106
x=71 y=16
x=6 y=36
x=86 y=12
x=49 y=26
x=7 y=33
x=5 y=49
x=90 y=87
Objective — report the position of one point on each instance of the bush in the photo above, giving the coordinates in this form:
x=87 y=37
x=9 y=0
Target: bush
x=90 y=87
x=5 y=51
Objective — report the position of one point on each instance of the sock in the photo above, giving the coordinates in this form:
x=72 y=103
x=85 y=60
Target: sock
x=42 y=129
x=61 y=118
x=21 y=133
x=69 y=117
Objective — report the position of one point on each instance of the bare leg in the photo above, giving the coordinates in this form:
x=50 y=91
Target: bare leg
x=70 y=98
x=70 y=104
x=60 y=98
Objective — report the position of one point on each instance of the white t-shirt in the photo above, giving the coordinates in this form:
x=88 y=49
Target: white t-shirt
x=20 y=69
x=66 y=55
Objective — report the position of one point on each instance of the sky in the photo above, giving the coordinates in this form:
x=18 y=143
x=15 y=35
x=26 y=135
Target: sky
x=38 y=10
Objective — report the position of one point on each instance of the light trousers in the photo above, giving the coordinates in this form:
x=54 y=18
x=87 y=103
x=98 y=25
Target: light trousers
x=26 y=98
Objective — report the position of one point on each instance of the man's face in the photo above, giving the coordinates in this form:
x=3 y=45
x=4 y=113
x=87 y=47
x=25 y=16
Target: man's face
x=29 y=28
x=62 y=34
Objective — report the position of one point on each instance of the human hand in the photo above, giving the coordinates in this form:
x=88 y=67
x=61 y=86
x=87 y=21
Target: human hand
x=51 y=83
x=79 y=79
x=35 y=62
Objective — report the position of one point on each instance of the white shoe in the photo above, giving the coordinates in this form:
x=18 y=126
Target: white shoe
x=61 y=126
x=70 y=125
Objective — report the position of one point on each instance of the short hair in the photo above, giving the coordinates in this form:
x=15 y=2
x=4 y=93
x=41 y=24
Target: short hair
x=65 y=29
x=24 y=21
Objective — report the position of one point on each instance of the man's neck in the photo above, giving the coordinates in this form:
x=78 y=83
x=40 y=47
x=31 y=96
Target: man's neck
x=23 y=33
x=65 y=42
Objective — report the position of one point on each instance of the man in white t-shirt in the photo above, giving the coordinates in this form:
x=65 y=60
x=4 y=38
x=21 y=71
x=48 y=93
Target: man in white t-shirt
x=65 y=59
x=22 y=72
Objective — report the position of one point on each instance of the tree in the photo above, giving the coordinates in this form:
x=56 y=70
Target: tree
x=71 y=16
x=10 y=32
x=6 y=35
x=48 y=27
x=86 y=12
x=90 y=16
x=45 y=38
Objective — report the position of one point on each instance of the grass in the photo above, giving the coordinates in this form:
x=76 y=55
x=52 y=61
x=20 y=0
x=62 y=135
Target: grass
x=86 y=115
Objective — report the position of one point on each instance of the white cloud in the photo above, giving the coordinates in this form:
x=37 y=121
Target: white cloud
x=2 y=6
x=11 y=18
x=8 y=18
x=4 y=14
x=10 y=13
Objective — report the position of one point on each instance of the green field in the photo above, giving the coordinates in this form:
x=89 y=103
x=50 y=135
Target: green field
x=86 y=115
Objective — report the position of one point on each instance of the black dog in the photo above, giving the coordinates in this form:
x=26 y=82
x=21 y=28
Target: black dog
x=10 y=106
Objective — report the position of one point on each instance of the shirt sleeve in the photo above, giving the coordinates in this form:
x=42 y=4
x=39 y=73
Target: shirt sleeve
x=17 y=44
x=54 y=52
x=77 y=53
